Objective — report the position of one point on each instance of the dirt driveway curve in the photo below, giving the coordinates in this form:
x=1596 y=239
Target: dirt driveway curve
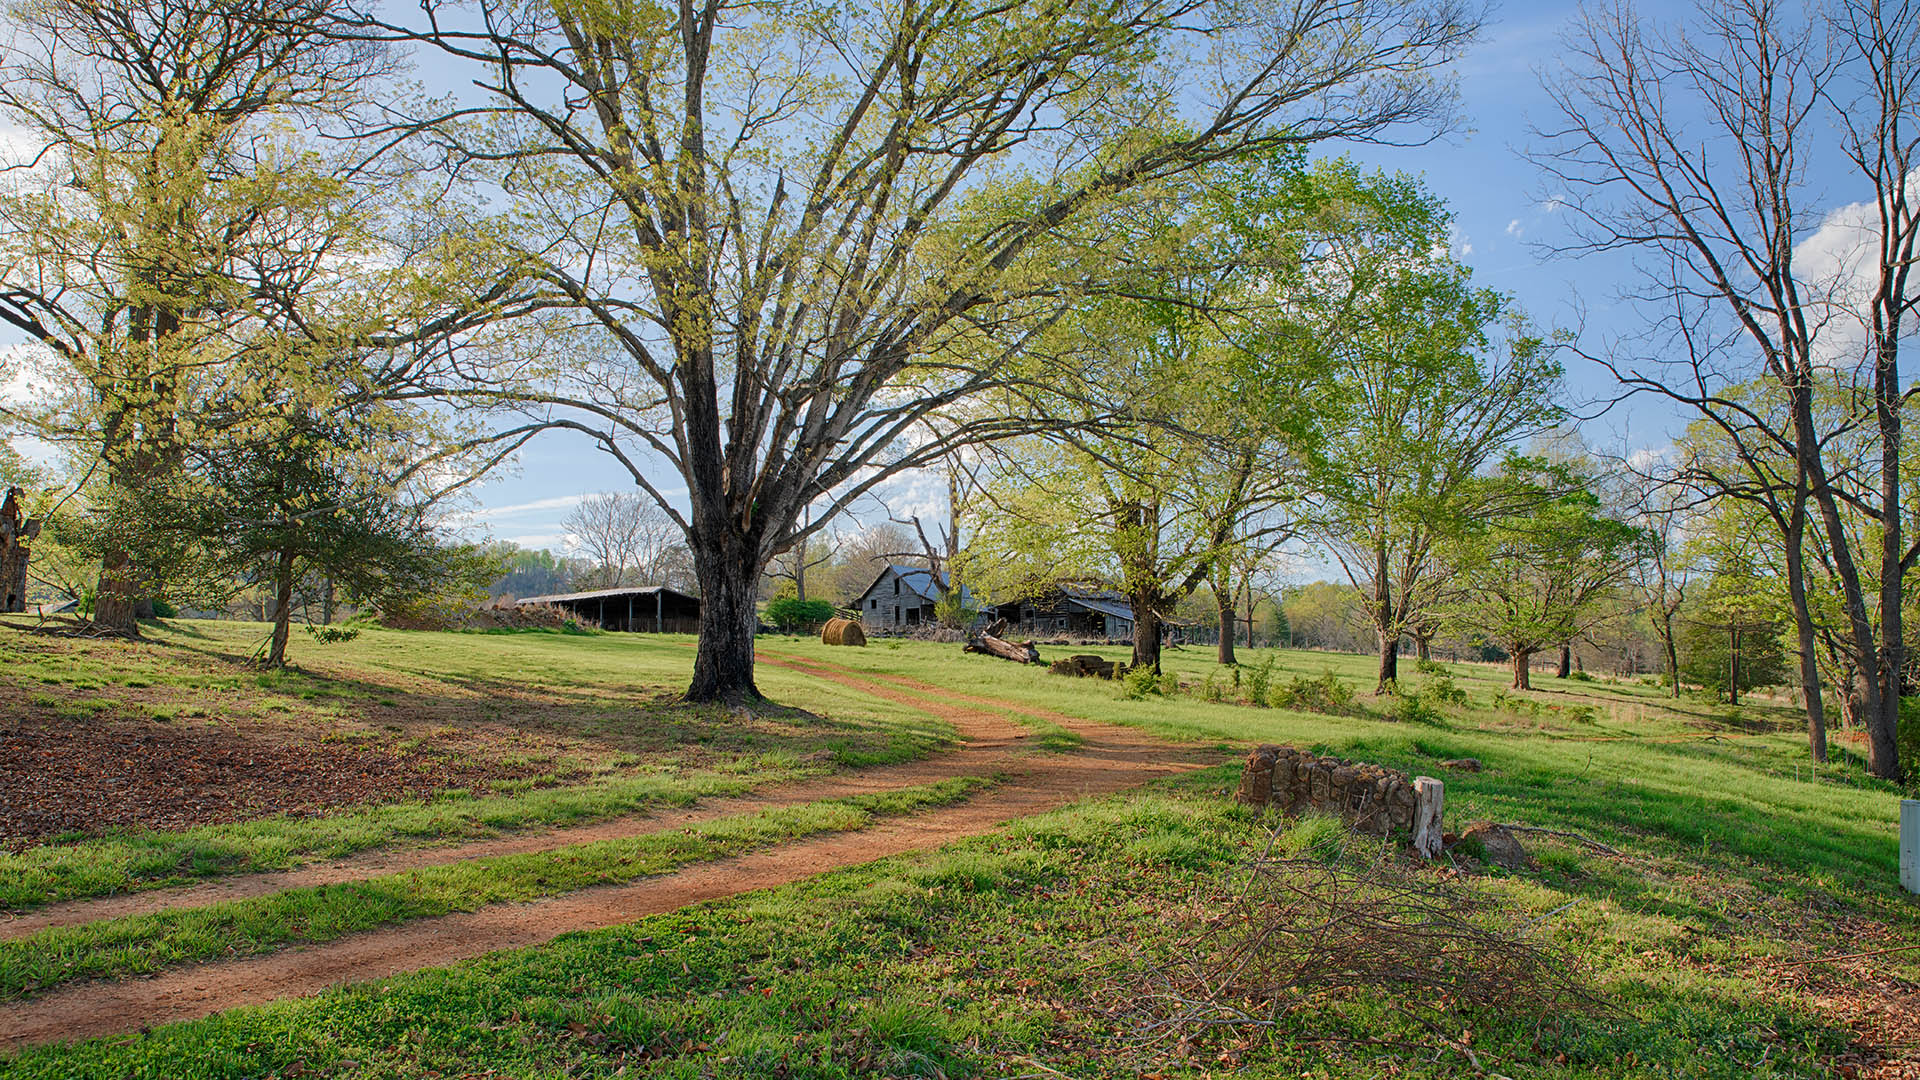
x=1110 y=758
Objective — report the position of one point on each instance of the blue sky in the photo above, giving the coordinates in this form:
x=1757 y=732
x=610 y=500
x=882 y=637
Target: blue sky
x=1501 y=215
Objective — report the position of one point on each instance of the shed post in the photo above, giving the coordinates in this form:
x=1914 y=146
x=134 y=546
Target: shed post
x=1910 y=845
x=659 y=611
x=629 y=627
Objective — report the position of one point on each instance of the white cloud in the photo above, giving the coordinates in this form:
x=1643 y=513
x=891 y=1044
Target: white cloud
x=1837 y=267
x=1466 y=250
x=1513 y=228
x=1553 y=204
x=1648 y=456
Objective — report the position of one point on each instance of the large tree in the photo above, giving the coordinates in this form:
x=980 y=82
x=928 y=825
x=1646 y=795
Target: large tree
x=1432 y=380
x=1704 y=149
x=1539 y=576
x=796 y=235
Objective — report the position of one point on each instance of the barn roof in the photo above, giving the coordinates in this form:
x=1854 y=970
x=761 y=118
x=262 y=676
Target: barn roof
x=919 y=581
x=604 y=594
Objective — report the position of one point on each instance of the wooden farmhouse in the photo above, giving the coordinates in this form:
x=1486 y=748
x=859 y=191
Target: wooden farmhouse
x=903 y=597
x=1074 y=611
x=652 y=609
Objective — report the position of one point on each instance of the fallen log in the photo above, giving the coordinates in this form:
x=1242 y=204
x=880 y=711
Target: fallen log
x=1025 y=652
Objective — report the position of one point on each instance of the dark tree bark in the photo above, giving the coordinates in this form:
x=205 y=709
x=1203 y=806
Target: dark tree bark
x=1224 y=600
x=1733 y=663
x=729 y=569
x=282 y=609
x=117 y=598
x=1566 y=661
x=1146 y=632
x=1522 y=661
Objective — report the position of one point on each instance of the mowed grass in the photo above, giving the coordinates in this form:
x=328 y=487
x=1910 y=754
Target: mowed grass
x=598 y=709
x=1700 y=784
x=1024 y=953
x=142 y=943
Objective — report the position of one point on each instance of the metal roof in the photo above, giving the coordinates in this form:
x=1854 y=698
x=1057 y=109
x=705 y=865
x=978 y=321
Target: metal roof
x=920 y=582
x=602 y=594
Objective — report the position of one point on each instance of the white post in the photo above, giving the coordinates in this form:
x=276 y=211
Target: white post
x=1429 y=800
x=1910 y=844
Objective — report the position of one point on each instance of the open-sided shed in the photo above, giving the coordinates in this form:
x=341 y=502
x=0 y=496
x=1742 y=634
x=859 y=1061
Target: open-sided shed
x=653 y=609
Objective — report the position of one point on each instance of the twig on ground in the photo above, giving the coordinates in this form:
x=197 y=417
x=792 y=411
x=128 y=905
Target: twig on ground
x=1586 y=840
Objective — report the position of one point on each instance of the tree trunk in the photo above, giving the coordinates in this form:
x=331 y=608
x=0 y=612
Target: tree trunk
x=116 y=600
x=1246 y=588
x=729 y=570
x=1224 y=598
x=326 y=603
x=1810 y=688
x=1146 y=633
x=1384 y=624
x=1883 y=736
x=1673 y=656
x=1733 y=663
x=1522 y=660
x=1423 y=646
x=282 y=610
x=1566 y=660
x=1882 y=753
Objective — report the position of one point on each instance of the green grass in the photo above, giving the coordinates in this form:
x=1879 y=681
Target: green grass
x=1019 y=953
x=1014 y=954
x=151 y=859
x=591 y=713
x=143 y=943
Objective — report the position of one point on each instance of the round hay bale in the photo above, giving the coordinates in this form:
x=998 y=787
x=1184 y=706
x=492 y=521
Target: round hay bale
x=842 y=632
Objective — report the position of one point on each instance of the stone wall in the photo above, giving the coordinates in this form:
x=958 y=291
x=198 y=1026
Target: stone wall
x=1372 y=798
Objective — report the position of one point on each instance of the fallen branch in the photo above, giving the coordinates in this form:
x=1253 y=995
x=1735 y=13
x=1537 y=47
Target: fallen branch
x=1587 y=840
x=1850 y=956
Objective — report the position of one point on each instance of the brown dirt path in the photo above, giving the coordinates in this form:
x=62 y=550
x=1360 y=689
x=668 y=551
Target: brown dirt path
x=1111 y=759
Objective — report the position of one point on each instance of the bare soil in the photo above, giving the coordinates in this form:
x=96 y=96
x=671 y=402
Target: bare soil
x=1111 y=758
x=86 y=775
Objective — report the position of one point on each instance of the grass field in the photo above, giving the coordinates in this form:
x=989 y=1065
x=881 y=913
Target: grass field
x=1030 y=951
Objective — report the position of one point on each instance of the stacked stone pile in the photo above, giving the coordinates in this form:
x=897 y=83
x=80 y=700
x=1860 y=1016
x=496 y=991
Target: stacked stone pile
x=1372 y=798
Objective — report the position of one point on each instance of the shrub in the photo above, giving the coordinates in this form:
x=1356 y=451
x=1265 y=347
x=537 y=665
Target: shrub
x=1211 y=690
x=1908 y=736
x=333 y=635
x=164 y=610
x=1431 y=667
x=1440 y=689
x=1136 y=684
x=1410 y=709
x=1258 y=682
x=1169 y=684
x=1579 y=676
x=792 y=614
x=1326 y=694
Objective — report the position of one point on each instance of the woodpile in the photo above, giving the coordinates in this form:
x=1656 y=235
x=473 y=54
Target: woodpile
x=1087 y=665
x=987 y=643
x=839 y=631
x=1372 y=798
x=15 y=531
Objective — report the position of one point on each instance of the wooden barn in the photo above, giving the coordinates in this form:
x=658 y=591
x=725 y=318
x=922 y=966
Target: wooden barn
x=1074 y=611
x=903 y=597
x=650 y=609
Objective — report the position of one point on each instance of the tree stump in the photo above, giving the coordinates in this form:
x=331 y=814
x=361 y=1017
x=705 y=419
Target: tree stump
x=1429 y=800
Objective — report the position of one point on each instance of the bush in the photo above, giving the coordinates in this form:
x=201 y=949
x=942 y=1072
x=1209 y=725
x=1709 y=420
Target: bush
x=1326 y=694
x=1136 y=684
x=1410 y=709
x=1211 y=690
x=1258 y=682
x=1579 y=676
x=1908 y=736
x=333 y=635
x=1431 y=667
x=164 y=610
x=794 y=615
x=1439 y=688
